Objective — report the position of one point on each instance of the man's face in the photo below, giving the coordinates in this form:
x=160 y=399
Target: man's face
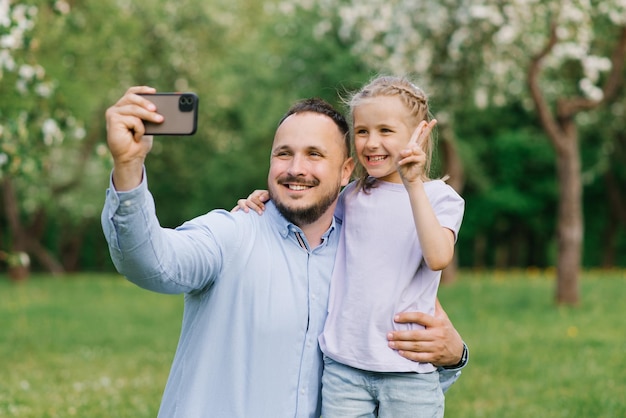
x=308 y=167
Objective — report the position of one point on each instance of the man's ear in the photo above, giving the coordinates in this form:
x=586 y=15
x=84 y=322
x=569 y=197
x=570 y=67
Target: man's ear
x=347 y=169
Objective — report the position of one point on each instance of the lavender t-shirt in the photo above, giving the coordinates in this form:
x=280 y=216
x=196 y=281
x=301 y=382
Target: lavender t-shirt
x=379 y=271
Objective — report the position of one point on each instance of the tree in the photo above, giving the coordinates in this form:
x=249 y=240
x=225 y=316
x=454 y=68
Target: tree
x=34 y=129
x=571 y=54
x=239 y=56
x=561 y=127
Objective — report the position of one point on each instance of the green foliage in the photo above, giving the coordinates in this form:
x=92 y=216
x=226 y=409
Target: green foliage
x=45 y=150
x=248 y=61
x=40 y=136
x=97 y=346
x=239 y=56
x=511 y=191
x=603 y=142
x=260 y=76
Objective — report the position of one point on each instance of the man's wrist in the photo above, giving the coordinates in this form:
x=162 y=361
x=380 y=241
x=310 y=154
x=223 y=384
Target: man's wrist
x=127 y=176
x=462 y=362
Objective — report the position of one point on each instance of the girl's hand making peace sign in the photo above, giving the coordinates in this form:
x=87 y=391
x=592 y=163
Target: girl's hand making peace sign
x=412 y=161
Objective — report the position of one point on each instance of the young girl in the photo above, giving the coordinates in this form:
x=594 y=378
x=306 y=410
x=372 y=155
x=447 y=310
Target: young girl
x=399 y=230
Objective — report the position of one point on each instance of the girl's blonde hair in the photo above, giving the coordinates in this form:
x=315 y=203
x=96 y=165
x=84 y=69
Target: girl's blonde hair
x=415 y=101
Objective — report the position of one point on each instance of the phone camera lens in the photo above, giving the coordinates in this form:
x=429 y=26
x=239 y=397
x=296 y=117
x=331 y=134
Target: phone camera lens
x=185 y=103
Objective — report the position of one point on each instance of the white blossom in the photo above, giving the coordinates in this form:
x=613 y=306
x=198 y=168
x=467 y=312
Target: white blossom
x=4 y=13
x=322 y=29
x=44 y=89
x=6 y=61
x=102 y=150
x=12 y=40
x=481 y=98
x=79 y=132
x=27 y=72
x=62 y=7
x=500 y=37
x=51 y=132
x=21 y=86
x=590 y=90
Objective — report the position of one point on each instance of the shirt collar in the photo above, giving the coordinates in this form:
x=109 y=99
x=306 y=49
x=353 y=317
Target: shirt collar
x=285 y=226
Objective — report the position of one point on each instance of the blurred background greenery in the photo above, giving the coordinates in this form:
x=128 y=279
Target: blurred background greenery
x=530 y=100
x=531 y=107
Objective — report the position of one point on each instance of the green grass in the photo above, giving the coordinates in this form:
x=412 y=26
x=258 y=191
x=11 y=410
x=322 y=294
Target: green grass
x=530 y=358
x=84 y=346
x=97 y=346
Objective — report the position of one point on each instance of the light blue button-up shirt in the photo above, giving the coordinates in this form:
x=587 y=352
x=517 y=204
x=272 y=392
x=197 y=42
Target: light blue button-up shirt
x=255 y=303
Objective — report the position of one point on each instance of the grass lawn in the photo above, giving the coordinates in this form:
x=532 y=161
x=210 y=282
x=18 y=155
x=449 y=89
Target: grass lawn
x=530 y=358
x=93 y=345
x=86 y=346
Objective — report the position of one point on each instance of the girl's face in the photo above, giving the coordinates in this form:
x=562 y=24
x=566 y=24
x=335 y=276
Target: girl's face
x=382 y=128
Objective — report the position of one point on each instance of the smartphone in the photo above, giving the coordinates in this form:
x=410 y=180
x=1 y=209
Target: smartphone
x=180 y=114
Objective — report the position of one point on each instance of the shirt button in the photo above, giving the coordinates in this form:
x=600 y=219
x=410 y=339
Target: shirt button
x=128 y=203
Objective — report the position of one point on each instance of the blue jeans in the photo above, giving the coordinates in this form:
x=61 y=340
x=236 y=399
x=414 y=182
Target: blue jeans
x=350 y=393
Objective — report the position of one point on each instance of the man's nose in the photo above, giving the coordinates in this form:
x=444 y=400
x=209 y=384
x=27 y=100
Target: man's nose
x=298 y=165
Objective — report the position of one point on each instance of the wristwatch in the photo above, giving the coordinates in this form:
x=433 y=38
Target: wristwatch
x=462 y=362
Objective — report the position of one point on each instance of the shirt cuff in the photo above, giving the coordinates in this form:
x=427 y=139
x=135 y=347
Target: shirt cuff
x=126 y=202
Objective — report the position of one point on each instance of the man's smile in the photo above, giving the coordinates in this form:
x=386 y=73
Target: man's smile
x=297 y=187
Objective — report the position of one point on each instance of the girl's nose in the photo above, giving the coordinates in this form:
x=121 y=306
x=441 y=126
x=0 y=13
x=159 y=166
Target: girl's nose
x=373 y=141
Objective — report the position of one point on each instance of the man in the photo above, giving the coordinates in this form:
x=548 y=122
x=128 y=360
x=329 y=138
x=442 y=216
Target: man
x=255 y=287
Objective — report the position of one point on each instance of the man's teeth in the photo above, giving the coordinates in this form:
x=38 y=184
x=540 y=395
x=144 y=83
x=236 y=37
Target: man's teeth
x=297 y=187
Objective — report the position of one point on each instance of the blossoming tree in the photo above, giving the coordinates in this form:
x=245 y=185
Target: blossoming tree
x=559 y=58
x=41 y=152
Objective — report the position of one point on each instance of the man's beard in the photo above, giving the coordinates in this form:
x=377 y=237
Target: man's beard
x=308 y=215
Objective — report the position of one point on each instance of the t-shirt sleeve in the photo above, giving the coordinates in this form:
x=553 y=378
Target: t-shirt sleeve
x=448 y=206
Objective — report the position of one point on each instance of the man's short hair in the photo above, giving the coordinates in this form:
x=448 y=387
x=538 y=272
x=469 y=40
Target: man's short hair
x=322 y=107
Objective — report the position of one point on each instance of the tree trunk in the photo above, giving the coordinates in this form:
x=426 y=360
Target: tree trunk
x=21 y=240
x=453 y=166
x=18 y=240
x=18 y=273
x=570 y=220
x=70 y=249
